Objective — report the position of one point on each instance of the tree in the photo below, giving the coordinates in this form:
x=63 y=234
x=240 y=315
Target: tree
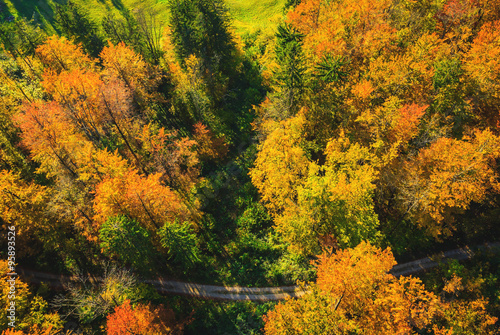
x=139 y=30
x=120 y=61
x=173 y=157
x=482 y=67
x=92 y=301
x=78 y=92
x=52 y=140
x=21 y=38
x=31 y=313
x=201 y=28
x=143 y=198
x=281 y=165
x=75 y=23
x=58 y=54
x=180 y=241
x=24 y=205
x=125 y=239
x=354 y=293
x=141 y=319
x=290 y=58
x=335 y=200
x=445 y=178
x=209 y=147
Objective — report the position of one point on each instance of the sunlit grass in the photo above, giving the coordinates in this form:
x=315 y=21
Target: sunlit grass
x=247 y=15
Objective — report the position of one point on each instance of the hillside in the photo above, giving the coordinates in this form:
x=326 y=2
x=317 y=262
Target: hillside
x=186 y=165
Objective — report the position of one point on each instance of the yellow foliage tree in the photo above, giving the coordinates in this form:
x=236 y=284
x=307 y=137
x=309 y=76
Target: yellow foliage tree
x=446 y=177
x=355 y=293
x=281 y=165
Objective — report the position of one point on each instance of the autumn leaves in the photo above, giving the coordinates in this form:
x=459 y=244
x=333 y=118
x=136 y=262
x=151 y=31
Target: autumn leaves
x=93 y=137
x=406 y=132
x=354 y=293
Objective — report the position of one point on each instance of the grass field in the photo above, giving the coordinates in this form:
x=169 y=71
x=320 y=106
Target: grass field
x=247 y=15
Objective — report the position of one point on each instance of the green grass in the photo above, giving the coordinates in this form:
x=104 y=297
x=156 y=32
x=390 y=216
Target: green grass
x=247 y=15
x=251 y=15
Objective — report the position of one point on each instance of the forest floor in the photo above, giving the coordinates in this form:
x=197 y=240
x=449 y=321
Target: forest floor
x=236 y=293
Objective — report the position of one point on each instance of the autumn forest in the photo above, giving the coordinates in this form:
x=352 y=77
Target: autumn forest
x=148 y=144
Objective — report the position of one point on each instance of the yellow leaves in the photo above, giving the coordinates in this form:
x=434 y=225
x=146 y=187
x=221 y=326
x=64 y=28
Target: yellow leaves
x=281 y=165
x=466 y=317
x=20 y=199
x=335 y=199
x=350 y=271
x=482 y=61
x=98 y=164
x=59 y=54
x=31 y=311
x=121 y=61
x=354 y=292
x=446 y=177
x=142 y=198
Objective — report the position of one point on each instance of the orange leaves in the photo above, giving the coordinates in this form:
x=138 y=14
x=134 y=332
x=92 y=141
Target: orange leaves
x=139 y=319
x=407 y=123
x=482 y=62
x=78 y=91
x=58 y=54
x=354 y=292
x=49 y=136
x=457 y=20
x=175 y=158
x=446 y=177
x=209 y=146
x=122 y=62
x=142 y=198
x=350 y=271
x=354 y=28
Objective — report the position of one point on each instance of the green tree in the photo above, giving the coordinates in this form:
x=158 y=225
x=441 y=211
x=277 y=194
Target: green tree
x=125 y=238
x=75 y=23
x=290 y=75
x=201 y=28
x=180 y=241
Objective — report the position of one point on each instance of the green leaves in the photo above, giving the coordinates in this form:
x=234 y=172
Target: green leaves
x=180 y=241
x=124 y=238
x=75 y=23
x=331 y=68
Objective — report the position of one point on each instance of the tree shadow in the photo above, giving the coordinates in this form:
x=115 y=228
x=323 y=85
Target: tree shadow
x=43 y=10
x=38 y=10
x=118 y=4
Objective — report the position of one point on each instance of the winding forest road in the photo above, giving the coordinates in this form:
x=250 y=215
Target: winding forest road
x=254 y=293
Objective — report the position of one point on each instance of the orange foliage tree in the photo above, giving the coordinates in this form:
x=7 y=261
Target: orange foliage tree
x=354 y=293
x=58 y=54
x=143 y=198
x=141 y=319
x=446 y=177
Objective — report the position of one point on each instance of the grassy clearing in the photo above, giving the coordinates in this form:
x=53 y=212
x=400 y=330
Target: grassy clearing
x=248 y=15
x=251 y=15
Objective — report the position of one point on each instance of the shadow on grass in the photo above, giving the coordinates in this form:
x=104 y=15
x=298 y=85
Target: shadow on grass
x=41 y=10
